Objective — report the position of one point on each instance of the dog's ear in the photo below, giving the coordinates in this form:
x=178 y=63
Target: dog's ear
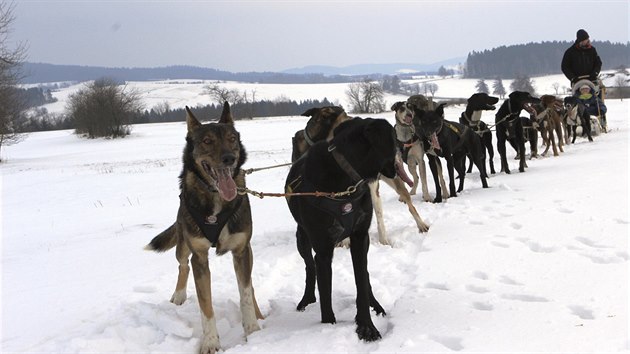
x=311 y=112
x=226 y=115
x=440 y=109
x=191 y=120
x=397 y=105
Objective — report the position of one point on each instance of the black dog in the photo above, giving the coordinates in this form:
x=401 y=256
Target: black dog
x=530 y=134
x=477 y=103
x=577 y=114
x=359 y=151
x=453 y=142
x=510 y=126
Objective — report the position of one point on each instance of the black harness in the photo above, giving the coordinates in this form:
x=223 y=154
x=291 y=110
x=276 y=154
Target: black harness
x=345 y=211
x=476 y=126
x=211 y=225
x=510 y=120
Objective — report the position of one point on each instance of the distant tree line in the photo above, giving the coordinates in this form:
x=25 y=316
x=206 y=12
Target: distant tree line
x=263 y=108
x=40 y=73
x=36 y=96
x=537 y=59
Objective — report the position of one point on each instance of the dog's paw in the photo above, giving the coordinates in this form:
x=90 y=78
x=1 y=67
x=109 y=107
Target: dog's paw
x=329 y=319
x=368 y=333
x=306 y=300
x=250 y=328
x=179 y=297
x=378 y=309
x=209 y=345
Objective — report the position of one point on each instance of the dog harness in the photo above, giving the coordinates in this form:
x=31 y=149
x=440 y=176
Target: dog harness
x=509 y=126
x=345 y=211
x=474 y=122
x=453 y=128
x=211 y=225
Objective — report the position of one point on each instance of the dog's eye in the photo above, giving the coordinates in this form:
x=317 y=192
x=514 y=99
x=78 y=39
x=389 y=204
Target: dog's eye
x=207 y=140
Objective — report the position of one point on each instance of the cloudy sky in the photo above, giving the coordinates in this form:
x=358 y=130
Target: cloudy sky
x=261 y=35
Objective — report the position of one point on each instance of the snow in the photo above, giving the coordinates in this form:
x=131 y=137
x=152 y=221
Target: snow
x=180 y=93
x=536 y=263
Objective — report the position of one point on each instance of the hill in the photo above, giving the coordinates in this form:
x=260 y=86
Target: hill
x=42 y=73
x=537 y=59
x=385 y=69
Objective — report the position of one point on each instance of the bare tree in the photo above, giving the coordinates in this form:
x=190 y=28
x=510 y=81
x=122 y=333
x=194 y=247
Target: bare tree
x=222 y=94
x=366 y=97
x=249 y=103
x=161 y=108
x=621 y=81
x=104 y=109
x=556 y=87
x=430 y=88
x=11 y=105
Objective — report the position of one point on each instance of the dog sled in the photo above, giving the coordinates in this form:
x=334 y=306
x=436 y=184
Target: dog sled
x=598 y=117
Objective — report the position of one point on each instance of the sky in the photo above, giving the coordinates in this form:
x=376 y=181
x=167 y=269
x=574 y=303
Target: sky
x=276 y=35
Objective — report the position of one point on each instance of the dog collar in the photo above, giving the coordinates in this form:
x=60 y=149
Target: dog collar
x=474 y=120
x=440 y=128
x=308 y=138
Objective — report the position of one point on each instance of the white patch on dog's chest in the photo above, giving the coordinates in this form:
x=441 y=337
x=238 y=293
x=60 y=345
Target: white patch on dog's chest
x=230 y=242
x=404 y=132
x=476 y=116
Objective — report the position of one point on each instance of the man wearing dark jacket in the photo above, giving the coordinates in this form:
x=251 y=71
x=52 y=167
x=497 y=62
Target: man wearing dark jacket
x=581 y=59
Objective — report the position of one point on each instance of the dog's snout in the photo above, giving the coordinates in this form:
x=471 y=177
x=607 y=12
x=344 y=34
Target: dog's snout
x=228 y=159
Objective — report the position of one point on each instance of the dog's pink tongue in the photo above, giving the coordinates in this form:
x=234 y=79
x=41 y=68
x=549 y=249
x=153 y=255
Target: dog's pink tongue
x=434 y=141
x=400 y=170
x=226 y=185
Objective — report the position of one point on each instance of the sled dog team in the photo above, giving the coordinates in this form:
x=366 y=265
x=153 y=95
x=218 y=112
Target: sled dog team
x=331 y=190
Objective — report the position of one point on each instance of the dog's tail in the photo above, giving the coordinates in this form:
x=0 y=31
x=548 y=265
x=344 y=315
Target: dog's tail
x=166 y=240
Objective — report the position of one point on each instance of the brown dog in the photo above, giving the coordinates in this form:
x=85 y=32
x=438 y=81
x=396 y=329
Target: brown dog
x=212 y=214
x=550 y=120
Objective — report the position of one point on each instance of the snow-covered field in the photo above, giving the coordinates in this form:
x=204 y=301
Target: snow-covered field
x=180 y=93
x=536 y=263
